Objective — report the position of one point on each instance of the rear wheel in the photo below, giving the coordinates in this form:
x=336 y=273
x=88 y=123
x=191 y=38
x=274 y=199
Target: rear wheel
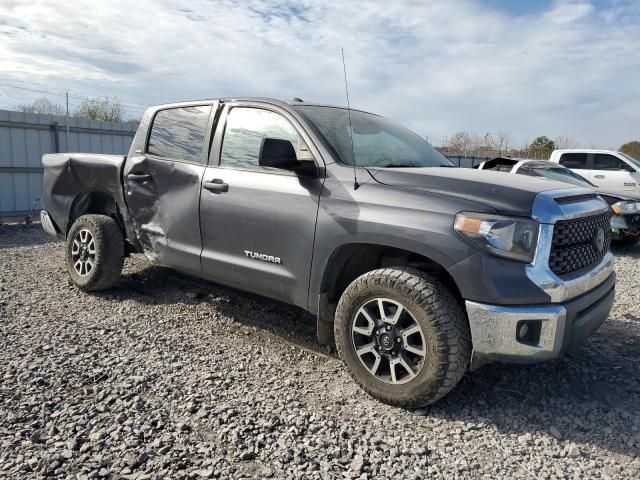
x=94 y=252
x=403 y=336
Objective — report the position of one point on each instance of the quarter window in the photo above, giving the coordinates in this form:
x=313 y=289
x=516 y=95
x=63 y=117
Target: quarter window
x=244 y=131
x=574 y=160
x=603 y=161
x=178 y=133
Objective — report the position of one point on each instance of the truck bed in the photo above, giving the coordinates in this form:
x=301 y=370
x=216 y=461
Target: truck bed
x=72 y=179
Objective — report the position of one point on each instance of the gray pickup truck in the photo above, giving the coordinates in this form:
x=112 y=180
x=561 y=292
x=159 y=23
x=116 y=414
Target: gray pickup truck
x=420 y=271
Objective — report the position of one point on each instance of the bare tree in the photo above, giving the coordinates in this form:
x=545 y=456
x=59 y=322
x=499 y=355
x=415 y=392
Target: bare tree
x=42 y=105
x=470 y=144
x=488 y=145
x=501 y=144
x=458 y=141
x=503 y=140
x=103 y=108
x=563 y=142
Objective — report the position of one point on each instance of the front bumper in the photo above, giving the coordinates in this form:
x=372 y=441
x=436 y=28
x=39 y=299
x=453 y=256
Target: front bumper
x=618 y=222
x=558 y=327
x=577 y=304
x=625 y=225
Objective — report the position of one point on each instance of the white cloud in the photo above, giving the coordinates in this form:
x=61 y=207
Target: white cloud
x=437 y=66
x=567 y=12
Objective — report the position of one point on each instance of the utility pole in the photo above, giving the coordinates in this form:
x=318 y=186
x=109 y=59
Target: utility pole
x=66 y=136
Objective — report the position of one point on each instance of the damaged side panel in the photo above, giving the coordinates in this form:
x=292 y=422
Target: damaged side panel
x=164 y=207
x=77 y=183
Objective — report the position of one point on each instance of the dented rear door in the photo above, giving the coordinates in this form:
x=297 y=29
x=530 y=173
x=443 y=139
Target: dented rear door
x=162 y=184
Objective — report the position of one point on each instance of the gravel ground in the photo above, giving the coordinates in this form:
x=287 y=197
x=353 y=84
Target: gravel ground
x=166 y=376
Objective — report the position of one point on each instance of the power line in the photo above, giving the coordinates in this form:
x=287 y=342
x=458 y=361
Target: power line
x=130 y=106
x=83 y=95
x=31 y=89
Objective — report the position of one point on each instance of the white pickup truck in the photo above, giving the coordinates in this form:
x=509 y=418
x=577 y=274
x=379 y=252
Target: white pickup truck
x=607 y=169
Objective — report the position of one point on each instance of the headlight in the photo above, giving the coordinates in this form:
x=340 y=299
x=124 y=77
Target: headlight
x=620 y=208
x=510 y=237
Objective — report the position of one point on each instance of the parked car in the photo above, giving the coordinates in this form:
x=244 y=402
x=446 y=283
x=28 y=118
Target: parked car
x=625 y=223
x=607 y=169
x=420 y=270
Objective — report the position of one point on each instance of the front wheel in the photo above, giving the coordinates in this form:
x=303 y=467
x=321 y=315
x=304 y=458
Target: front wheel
x=403 y=336
x=94 y=252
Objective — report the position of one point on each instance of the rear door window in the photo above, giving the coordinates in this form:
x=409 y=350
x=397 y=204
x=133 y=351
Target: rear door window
x=574 y=160
x=178 y=133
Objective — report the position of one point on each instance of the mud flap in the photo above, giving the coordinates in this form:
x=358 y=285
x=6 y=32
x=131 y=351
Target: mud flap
x=324 y=320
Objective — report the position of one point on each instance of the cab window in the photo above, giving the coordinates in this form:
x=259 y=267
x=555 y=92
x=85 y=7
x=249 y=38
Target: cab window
x=574 y=160
x=244 y=131
x=178 y=133
x=602 y=161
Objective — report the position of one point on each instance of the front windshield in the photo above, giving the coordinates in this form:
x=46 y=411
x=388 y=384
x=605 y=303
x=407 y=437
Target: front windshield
x=377 y=142
x=635 y=161
x=562 y=174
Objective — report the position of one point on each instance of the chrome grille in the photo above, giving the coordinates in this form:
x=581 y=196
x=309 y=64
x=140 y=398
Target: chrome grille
x=575 y=244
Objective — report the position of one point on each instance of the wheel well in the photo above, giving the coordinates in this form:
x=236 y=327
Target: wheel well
x=350 y=261
x=97 y=203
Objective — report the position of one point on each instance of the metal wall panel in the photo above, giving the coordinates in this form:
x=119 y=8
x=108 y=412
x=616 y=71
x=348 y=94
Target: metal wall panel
x=25 y=137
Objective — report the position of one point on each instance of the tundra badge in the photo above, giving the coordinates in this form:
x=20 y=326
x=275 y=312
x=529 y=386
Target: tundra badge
x=263 y=257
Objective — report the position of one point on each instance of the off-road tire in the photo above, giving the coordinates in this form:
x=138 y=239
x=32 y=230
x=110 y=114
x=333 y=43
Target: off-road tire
x=439 y=314
x=109 y=252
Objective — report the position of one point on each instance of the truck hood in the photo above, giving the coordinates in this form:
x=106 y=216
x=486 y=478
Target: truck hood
x=498 y=190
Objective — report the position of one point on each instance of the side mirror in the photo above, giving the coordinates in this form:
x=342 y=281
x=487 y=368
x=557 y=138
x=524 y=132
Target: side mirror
x=279 y=153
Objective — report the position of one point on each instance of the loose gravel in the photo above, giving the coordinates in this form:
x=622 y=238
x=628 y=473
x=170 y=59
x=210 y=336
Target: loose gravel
x=167 y=376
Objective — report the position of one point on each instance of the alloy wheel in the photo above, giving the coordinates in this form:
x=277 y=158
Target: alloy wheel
x=83 y=252
x=388 y=341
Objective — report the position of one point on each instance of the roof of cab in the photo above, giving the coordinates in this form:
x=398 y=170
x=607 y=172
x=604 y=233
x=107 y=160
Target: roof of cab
x=271 y=101
x=274 y=101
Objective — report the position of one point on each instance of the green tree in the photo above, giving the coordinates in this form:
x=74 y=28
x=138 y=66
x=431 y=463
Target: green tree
x=103 y=108
x=632 y=149
x=542 y=147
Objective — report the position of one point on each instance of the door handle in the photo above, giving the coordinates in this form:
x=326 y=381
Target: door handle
x=216 y=185
x=599 y=176
x=138 y=177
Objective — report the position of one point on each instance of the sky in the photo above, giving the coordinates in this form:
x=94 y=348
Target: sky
x=525 y=68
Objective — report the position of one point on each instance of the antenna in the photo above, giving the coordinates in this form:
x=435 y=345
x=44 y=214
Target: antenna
x=353 y=150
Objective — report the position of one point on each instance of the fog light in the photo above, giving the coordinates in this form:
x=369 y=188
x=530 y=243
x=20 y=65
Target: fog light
x=528 y=332
x=522 y=331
